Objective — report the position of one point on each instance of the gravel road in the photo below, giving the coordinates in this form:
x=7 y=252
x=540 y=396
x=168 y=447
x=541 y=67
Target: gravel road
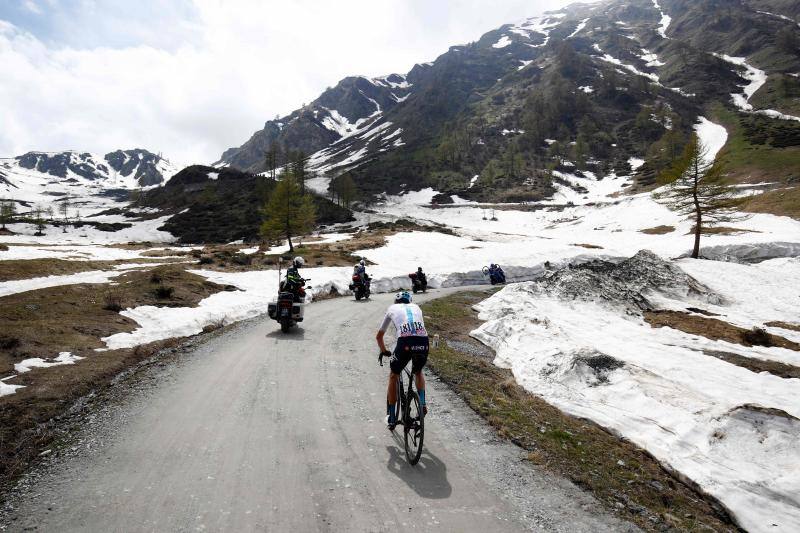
x=256 y=430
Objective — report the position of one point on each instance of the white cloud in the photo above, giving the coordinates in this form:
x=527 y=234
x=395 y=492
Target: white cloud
x=241 y=64
x=32 y=6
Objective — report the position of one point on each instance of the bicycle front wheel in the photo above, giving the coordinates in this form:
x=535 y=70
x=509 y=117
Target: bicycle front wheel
x=414 y=428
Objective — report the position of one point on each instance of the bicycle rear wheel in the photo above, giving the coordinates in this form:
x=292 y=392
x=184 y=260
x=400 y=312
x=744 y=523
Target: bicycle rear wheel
x=414 y=428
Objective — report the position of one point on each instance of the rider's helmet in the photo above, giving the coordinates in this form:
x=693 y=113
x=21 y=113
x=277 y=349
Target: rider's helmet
x=402 y=297
x=362 y=262
x=419 y=269
x=299 y=261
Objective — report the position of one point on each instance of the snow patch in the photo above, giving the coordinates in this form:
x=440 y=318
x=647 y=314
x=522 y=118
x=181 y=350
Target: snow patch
x=504 y=41
x=712 y=136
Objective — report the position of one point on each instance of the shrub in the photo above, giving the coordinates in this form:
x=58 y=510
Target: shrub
x=757 y=337
x=241 y=259
x=8 y=343
x=112 y=301
x=163 y=292
x=155 y=277
x=206 y=260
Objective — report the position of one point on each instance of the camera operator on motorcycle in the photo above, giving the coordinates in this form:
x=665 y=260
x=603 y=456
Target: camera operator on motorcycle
x=412 y=345
x=423 y=279
x=294 y=282
x=361 y=270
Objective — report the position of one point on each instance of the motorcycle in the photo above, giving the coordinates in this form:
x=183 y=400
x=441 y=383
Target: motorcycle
x=418 y=284
x=360 y=288
x=288 y=309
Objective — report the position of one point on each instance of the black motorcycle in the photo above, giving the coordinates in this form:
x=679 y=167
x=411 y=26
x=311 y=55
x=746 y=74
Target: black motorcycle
x=418 y=283
x=360 y=288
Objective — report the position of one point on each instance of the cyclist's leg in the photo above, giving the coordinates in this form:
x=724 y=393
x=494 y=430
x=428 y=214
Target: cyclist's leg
x=420 y=358
x=391 y=397
x=397 y=363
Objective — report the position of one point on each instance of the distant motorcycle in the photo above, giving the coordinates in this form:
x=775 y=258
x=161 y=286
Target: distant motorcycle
x=360 y=287
x=418 y=283
x=495 y=273
x=289 y=307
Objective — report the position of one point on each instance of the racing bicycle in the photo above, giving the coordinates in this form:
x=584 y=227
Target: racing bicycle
x=410 y=414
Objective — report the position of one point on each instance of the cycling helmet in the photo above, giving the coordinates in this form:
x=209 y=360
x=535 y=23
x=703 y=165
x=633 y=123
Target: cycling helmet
x=299 y=261
x=402 y=297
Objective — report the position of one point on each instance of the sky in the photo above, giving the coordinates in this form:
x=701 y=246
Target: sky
x=190 y=78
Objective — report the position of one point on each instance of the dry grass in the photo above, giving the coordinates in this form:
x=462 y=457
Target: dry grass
x=658 y=230
x=722 y=230
x=73 y=318
x=15 y=269
x=784 y=202
x=775 y=368
x=783 y=325
x=715 y=329
x=625 y=478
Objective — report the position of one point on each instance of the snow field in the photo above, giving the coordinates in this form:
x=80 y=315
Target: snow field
x=730 y=430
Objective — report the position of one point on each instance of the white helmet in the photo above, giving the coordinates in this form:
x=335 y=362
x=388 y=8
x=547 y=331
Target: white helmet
x=299 y=261
x=362 y=262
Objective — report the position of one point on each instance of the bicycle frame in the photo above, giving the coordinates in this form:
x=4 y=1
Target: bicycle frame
x=403 y=398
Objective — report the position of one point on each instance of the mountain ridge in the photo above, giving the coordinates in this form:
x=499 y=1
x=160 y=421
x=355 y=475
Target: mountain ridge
x=609 y=68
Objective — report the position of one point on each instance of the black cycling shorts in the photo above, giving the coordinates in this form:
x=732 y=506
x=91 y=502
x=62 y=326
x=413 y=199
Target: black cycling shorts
x=413 y=349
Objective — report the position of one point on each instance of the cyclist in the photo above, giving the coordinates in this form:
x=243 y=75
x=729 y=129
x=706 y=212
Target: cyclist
x=412 y=345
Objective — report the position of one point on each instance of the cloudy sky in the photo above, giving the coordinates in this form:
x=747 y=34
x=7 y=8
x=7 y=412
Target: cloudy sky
x=191 y=78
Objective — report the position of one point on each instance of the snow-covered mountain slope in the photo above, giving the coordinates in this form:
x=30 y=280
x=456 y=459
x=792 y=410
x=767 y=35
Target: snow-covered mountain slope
x=595 y=84
x=346 y=111
x=88 y=182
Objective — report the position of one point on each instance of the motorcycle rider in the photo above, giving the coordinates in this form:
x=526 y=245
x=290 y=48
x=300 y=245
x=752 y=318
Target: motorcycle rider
x=412 y=345
x=294 y=282
x=361 y=270
x=496 y=274
x=423 y=279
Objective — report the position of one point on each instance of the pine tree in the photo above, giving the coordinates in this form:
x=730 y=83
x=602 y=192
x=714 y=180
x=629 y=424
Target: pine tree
x=271 y=160
x=345 y=189
x=7 y=211
x=698 y=189
x=299 y=169
x=288 y=212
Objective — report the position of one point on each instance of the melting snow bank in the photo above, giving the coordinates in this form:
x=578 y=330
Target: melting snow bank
x=64 y=358
x=258 y=288
x=578 y=339
x=31 y=284
x=750 y=253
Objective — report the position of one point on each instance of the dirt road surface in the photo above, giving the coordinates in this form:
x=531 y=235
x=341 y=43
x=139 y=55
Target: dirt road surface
x=262 y=431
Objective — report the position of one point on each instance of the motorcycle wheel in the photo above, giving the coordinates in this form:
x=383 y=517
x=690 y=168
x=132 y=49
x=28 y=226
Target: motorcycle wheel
x=358 y=296
x=286 y=325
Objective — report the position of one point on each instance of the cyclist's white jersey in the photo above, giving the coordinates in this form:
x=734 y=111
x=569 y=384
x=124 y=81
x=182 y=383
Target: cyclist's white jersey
x=407 y=319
